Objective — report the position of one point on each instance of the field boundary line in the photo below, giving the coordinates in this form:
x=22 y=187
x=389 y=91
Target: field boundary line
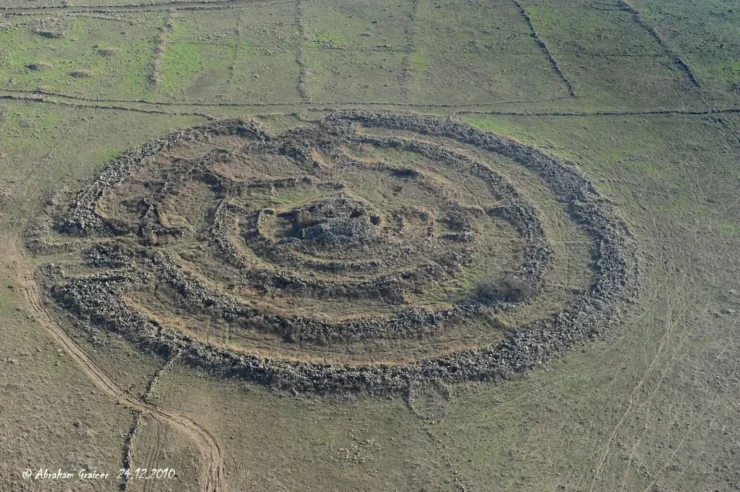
x=41 y=93
x=357 y=105
x=129 y=441
x=407 y=71
x=543 y=46
x=659 y=112
x=141 y=7
x=160 y=50
x=300 y=59
x=103 y=106
x=674 y=55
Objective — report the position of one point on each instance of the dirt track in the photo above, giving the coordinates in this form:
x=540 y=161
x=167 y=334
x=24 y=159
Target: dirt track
x=209 y=447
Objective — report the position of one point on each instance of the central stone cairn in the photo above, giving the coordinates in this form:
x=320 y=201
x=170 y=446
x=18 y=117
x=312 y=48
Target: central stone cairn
x=334 y=221
x=361 y=254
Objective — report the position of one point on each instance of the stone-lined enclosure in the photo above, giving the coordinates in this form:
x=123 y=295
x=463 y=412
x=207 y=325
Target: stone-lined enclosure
x=362 y=253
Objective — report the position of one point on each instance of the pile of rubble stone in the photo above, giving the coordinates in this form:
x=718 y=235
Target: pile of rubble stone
x=96 y=299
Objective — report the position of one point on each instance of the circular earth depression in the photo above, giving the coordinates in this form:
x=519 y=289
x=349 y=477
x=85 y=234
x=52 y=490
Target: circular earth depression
x=364 y=252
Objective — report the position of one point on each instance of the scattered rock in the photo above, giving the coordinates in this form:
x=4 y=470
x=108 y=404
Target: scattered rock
x=50 y=34
x=108 y=51
x=81 y=74
x=40 y=66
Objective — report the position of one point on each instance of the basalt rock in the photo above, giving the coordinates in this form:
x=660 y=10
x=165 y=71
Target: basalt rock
x=291 y=250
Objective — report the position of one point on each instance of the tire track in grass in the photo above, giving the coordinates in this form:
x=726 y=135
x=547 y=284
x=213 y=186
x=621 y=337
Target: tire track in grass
x=211 y=479
x=674 y=304
x=208 y=445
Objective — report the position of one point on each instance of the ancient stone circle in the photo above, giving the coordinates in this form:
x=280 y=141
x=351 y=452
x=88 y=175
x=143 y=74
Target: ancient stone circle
x=363 y=253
